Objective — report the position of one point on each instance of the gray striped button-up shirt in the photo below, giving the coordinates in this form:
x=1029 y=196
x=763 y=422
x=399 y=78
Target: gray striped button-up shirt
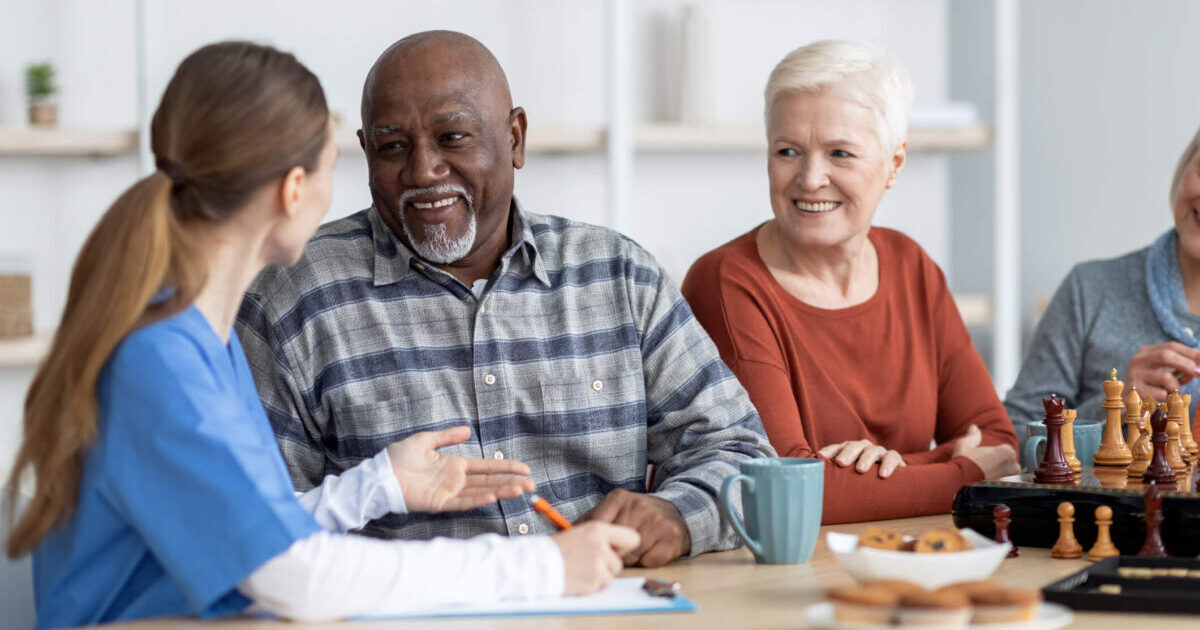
x=579 y=357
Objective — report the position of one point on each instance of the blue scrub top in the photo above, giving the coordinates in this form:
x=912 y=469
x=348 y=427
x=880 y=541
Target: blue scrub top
x=184 y=493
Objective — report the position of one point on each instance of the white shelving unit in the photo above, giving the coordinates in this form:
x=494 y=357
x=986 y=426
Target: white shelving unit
x=620 y=141
x=36 y=141
x=1006 y=280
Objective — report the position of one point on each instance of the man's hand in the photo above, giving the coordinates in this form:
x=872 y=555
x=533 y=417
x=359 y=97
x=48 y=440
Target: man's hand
x=663 y=530
x=433 y=482
x=995 y=461
x=867 y=453
x=1156 y=370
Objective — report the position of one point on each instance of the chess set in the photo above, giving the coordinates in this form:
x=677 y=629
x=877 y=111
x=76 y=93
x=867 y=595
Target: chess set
x=1137 y=498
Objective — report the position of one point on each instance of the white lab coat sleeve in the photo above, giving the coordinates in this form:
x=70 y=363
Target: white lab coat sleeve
x=357 y=496
x=332 y=576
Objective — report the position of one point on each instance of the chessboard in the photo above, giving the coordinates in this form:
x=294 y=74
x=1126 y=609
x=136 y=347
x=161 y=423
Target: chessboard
x=1035 y=519
x=1147 y=458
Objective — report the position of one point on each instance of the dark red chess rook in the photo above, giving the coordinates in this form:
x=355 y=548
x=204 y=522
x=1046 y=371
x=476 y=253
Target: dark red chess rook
x=1002 y=514
x=1160 y=469
x=1054 y=467
x=1153 y=547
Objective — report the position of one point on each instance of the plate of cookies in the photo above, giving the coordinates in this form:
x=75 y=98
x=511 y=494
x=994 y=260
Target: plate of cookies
x=979 y=604
x=934 y=559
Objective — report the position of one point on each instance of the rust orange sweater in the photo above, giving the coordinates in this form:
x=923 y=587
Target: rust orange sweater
x=898 y=369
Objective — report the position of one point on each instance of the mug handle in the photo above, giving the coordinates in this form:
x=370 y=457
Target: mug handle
x=728 y=512
x=1029 y=451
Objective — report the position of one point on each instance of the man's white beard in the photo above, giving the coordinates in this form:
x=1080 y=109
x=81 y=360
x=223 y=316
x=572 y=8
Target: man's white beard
x=438 y=247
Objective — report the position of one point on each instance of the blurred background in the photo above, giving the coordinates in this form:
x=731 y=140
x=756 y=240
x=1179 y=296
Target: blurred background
x=1044 y=133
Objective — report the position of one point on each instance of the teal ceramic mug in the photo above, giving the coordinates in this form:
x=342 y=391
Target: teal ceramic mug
x=1088 y=434
x=781 y=501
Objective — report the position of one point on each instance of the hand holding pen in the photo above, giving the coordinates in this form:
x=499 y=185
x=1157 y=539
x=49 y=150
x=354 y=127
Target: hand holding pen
x=591 y=551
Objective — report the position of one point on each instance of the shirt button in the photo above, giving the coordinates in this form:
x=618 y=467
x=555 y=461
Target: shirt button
x=490 y=379
x=597 y=385
x=522 y=529
x=482 y=308
x=498 y=455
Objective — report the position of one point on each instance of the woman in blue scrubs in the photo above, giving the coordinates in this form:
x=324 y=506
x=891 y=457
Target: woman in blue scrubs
x=159 y=488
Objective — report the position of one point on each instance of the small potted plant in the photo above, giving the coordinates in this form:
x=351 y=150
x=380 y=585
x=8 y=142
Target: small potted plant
x=40 y=88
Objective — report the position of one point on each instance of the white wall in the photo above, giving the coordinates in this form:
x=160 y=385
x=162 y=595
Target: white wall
x=1109 y=101
x=14 y=382
x=1107 y=105
x=971 y=51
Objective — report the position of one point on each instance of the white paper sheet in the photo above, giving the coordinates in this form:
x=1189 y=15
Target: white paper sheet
x=624 y=595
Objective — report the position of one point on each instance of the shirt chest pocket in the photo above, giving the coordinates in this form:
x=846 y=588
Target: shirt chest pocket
x=592 y=434
x=356 y=432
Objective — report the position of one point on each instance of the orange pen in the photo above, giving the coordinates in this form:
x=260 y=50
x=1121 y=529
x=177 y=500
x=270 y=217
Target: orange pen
x=547 y=510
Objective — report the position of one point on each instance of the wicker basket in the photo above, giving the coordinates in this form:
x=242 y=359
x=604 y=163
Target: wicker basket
x=16 y=311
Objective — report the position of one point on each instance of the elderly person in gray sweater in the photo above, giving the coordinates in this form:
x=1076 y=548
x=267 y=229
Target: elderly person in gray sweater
x=1140 y=311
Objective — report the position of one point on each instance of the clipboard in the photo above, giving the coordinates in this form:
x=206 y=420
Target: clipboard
x=623 y=596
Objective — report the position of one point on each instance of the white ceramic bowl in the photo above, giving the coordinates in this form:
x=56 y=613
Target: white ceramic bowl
x=931 y=570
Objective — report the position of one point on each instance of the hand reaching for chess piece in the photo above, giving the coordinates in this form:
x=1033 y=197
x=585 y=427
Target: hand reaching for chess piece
x=995 y=461
x=866 y=453
x=1156 y=370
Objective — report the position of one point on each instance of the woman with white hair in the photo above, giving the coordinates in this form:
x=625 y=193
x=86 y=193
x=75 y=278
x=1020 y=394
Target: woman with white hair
x=846 y=335
x=1140 y=310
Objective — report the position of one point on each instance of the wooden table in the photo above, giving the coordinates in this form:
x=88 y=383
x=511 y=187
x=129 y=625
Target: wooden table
x=733 y=592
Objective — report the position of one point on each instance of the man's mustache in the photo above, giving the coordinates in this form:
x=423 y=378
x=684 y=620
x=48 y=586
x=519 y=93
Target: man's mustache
x=441 y=189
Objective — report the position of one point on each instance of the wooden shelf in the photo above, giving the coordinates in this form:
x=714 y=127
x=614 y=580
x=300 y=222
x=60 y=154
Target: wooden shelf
x=565 y=139
x=700 y=138
x=550 y=139
x=24 y=351
x=56 y=141
x=673 y=138
x=666 y=138
x=975 y=308
x=545 y=139
x=949 y=138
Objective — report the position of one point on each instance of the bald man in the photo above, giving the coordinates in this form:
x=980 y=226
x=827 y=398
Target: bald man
x=560 y=344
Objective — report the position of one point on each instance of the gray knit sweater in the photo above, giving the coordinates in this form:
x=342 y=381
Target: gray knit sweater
x=1098 y=319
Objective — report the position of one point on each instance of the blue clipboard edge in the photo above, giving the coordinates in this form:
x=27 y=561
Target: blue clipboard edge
x=680 y=603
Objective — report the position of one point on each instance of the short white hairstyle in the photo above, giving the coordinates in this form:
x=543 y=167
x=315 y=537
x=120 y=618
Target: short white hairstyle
x=863 y=74
x=1185 y=160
